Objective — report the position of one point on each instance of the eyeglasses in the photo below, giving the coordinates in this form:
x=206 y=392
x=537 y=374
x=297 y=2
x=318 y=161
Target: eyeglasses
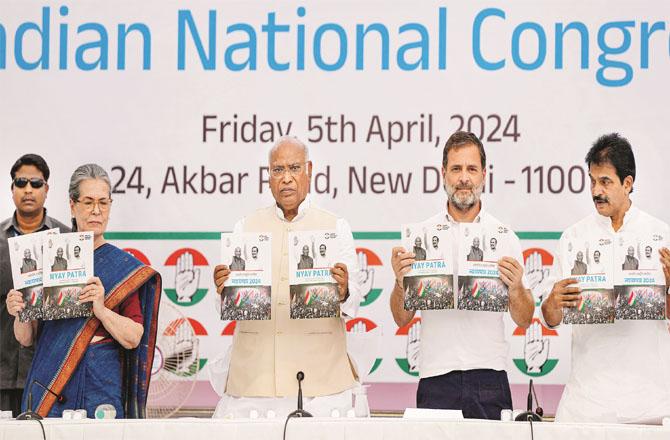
x=35 y=182
x=89 y=204
x=293 y=169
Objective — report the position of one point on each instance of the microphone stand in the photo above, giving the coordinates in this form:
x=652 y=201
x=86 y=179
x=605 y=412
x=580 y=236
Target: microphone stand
x=300 y=412
x=529 y=415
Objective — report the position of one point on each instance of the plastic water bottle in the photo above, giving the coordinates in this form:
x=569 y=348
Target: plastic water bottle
x=361 y=406
x=506 y=415
x=105 y=411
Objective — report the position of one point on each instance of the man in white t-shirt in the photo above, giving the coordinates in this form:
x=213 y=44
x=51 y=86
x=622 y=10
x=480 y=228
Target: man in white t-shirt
x=620 y=372
x=463 y=353
x=76 y=261
x=649 y=259
x=492 y=254
x=321 y=257
x=596 y=266
x=435 y=251
x=253 y=263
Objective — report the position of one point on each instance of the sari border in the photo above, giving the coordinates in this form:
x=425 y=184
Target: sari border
x=77 y=349
x=140 y=404
x=151 y=342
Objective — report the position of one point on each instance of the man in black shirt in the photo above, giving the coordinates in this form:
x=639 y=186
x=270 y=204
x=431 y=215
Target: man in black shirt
x=29 y=191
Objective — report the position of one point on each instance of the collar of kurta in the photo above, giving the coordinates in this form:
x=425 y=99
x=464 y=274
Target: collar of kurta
x=606 y=222
x=477 y=219
x=302 y=209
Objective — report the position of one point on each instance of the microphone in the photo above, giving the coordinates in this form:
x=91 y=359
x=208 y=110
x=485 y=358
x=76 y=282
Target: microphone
x=529 y=414
x=300 y=412
x=29 y=414
x=59 y=397
x=300 y=376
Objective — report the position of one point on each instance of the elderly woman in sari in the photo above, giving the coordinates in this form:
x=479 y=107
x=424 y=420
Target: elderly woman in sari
x=105 y=358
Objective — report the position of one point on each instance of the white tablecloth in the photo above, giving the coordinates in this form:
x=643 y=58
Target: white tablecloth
x=316 y=429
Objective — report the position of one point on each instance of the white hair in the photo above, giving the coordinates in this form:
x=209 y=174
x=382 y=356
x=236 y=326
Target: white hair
x=85 y=172
x=289 y=139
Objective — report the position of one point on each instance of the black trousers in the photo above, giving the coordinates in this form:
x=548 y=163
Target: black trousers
x=480 y=394
x=11 y=400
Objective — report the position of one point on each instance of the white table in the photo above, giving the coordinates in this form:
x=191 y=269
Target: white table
x=320 y=429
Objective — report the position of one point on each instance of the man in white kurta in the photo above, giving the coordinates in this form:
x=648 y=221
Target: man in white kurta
x=620 y=372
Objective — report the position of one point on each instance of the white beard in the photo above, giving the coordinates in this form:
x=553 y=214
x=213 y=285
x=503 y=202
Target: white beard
x=466 y=202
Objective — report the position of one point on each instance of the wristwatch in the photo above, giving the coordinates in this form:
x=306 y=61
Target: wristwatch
x=346 y=296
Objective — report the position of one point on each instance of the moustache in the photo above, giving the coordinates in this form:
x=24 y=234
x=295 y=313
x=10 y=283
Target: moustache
x=601 y=199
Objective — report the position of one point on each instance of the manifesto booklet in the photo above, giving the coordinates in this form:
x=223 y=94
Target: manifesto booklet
x=430 y=283
x=480 y=287
x=247 y=292
x=313 y=290
x=590 y=260
x=25 y=255
x=639 y=282
x=68 y=265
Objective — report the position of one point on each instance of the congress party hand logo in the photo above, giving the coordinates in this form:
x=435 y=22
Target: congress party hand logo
x=410 y=364
x=186 y=290
x=413 y=345
x=364 y=325
x=187 y=278
x=180 y=353
x=536 y=348
x=538 y=264
x=366 y=275
x=536 y=361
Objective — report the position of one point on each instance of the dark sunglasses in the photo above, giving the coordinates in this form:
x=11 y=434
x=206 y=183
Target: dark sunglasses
x=35 y=182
